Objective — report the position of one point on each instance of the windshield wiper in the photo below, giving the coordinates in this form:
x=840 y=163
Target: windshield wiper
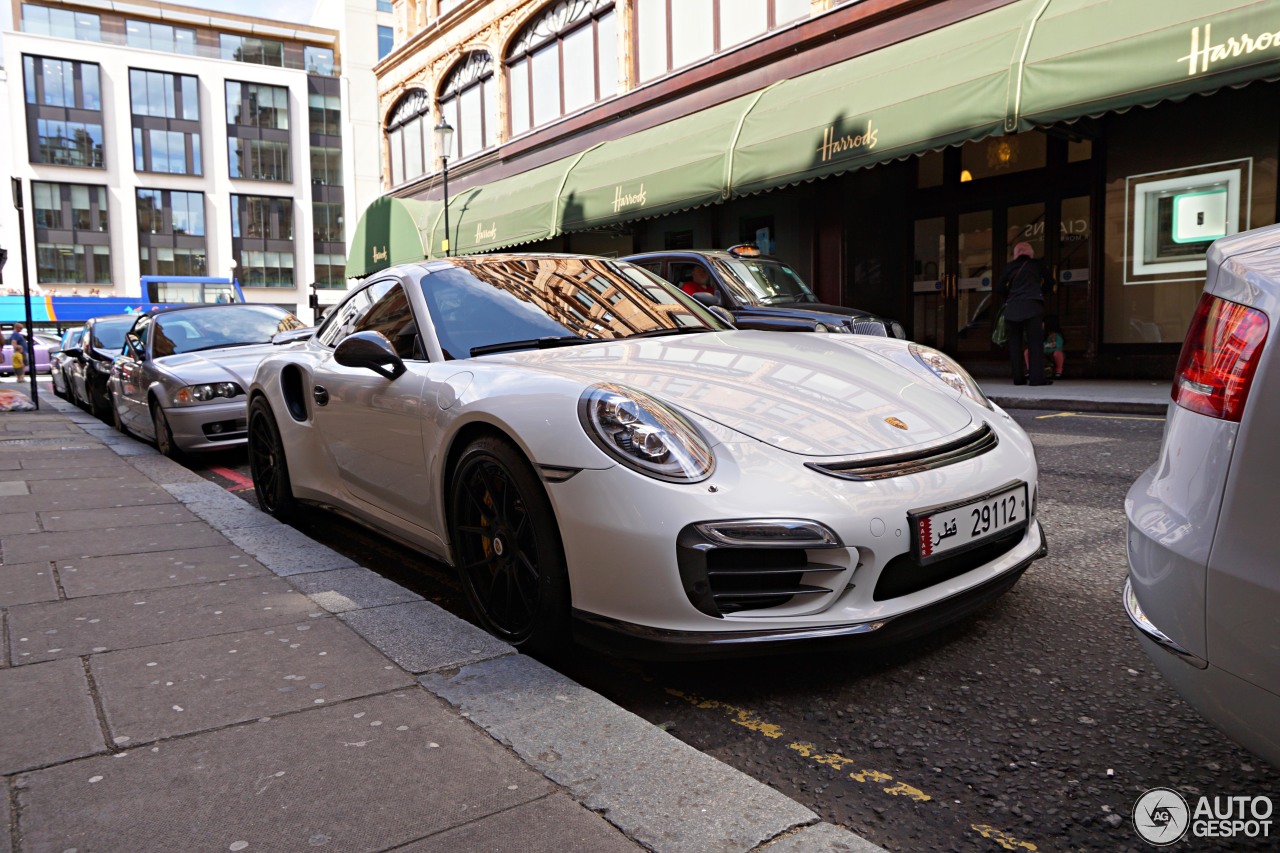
x=678 y=330
x=532 y=343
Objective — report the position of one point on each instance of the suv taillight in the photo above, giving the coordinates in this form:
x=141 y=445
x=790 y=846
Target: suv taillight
x=1219 y=357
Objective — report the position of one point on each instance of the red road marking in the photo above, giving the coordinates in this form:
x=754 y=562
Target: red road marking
x=238 y=481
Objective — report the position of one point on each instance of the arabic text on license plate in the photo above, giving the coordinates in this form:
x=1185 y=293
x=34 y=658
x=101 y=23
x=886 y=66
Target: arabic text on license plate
x=943 y=531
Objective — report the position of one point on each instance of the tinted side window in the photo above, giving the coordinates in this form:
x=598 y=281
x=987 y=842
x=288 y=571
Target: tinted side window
x=343 y=320
x=391 y=316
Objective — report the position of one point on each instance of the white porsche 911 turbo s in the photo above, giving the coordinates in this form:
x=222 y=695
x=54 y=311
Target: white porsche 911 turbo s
x=601 y=457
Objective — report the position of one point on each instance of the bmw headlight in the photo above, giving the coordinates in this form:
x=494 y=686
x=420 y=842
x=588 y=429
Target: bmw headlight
x=194 y=394
x=645 y=435
x=943 y=367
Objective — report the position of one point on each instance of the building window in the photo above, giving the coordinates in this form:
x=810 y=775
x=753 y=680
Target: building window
x=327 y=221
x=326 y=165
x=252 y=50
x=385 y=6
x=166 y=122
x=149 y=35
x=408 y=131
x=257 y=105
x=259 y=160
x=566 y=58
x=331 y=272
x=666 y=41
x=171 y=233
x=67 y=263
x=61 y=23
x=262 y=240
x=318 y=60
x=64 y=112
x=469 y=101
x=171 y=212
x=70 y=207
x=258 y=131
x=72 y=233
x=386 y=40
x=325 y=113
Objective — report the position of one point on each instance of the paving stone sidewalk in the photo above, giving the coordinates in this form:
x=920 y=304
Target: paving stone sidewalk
x=178 y=671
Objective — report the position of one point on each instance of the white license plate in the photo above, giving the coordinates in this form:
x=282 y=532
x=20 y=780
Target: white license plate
x=940 y=531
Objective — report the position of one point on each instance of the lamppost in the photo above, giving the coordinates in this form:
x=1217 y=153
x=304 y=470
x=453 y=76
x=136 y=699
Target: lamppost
x=444 y=136
x=20 y=206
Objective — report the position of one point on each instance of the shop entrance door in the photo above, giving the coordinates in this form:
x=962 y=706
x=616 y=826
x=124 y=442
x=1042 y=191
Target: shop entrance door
x=959 y=255
x=953 y=277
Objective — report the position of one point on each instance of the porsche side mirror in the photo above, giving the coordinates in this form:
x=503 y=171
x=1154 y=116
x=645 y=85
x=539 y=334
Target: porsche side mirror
x=73 y=352
x=133 y=346
x=370 y=350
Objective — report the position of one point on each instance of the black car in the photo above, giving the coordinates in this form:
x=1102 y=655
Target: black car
x=90 y=359
x=760 y=292
x=59 y=359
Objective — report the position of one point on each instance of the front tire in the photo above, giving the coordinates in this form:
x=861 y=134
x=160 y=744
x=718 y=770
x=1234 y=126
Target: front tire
x=116 y=420
x=164 y=435
x=268 y=465
x=506 y=547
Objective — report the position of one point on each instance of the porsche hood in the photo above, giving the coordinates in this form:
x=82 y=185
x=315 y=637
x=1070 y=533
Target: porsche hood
x=804 y=393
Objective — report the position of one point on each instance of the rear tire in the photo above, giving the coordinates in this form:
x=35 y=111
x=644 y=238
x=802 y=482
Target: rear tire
x=268 y=464
x=507 y=548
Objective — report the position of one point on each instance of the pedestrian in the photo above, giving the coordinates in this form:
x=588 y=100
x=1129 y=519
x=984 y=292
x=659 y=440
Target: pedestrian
x=19 y=343
x=1025 y=286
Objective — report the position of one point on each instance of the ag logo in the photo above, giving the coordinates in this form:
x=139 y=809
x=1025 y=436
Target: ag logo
x=1161 y=816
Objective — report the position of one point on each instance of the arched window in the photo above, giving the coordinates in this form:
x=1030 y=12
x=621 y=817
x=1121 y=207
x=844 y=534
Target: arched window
x=666 y=40
x=563 y=60
x=469 y=100
x=409 y=138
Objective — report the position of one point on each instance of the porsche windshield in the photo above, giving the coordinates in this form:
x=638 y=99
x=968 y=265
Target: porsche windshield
x=769 y=282
x=482 y=305
x=218 y=326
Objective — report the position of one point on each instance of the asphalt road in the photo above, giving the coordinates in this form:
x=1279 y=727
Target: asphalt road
x=1034 y=725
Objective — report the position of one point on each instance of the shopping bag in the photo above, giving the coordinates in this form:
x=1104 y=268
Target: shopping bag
x=999 y=335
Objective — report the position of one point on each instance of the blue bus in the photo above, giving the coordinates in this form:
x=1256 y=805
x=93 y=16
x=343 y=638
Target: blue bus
x=157 y=292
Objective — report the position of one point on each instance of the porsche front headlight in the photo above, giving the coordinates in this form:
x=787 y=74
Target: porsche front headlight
x=645 y=435
x=952 y=374
x=214 y=391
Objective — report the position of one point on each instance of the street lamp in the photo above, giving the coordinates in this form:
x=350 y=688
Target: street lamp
x=444 y=136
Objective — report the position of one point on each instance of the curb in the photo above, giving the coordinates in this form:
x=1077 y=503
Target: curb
x=1079 y=405
x=607 y=759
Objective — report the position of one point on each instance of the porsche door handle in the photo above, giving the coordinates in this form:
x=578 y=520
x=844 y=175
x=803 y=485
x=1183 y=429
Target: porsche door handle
x=321 y=395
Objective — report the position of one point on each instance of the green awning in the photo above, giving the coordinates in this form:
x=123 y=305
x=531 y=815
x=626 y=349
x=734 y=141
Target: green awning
x=1087 y=57
x=939 y=88
x=674 y=166
x=515 y=210
x=1026 y=64
x=390 y=232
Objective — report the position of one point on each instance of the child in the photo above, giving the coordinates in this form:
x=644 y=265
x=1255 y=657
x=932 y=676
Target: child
x=1053 y=345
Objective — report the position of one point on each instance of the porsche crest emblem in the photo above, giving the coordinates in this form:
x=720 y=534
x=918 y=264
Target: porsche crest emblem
x=894 y=422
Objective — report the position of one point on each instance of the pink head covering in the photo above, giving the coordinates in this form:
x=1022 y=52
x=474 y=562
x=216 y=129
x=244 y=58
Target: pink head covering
x=1023 y=249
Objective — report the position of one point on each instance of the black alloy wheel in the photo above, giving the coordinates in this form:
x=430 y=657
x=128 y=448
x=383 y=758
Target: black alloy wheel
x=164 y=435
x=267 y=463
x=506 y=547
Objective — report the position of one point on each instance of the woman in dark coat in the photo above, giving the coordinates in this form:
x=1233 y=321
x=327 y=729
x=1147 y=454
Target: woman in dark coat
x=1025 y=285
